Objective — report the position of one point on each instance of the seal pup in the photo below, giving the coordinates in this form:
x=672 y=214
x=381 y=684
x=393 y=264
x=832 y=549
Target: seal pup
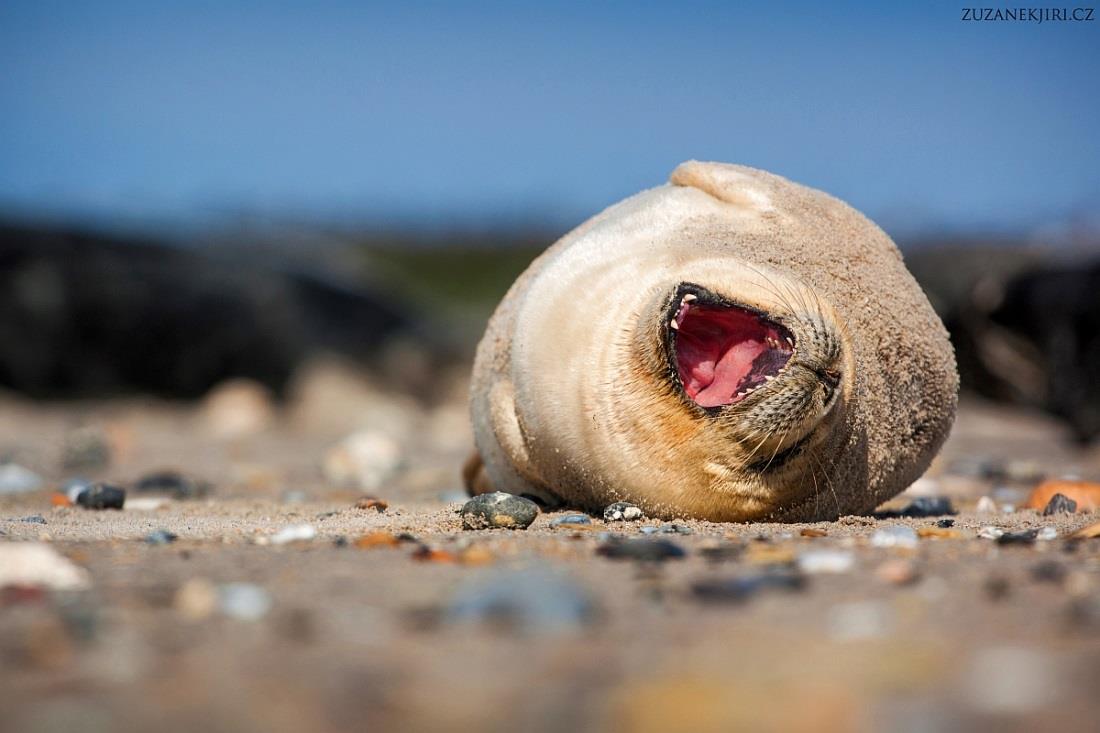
x=730 y=346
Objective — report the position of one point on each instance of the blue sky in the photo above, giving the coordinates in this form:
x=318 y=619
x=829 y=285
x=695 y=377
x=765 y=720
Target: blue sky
x=485 y=112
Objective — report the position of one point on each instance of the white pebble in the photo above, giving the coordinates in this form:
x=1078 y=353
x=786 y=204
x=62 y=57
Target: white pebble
x=986 y=506
x=990 y=533
x=40 y=566
x=244 y=601
x=1046 y=534
x=293 y=533
x=897 y=535
x=825 y=561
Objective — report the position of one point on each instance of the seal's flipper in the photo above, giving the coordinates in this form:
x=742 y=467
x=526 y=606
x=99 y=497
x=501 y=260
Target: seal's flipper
x=515 y=474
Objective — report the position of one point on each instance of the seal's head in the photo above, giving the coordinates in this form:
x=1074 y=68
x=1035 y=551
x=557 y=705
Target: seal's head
x=759 y=367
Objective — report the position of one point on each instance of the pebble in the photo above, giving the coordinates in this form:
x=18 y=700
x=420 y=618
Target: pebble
x=1026 y=537
x=1085 y=494
x=1059 y=504
x=825 y=561
x=920 y=507
x=1046 y=534
x=938 y=532
x=571 y=519
x=237 y=408
x=1049 y=571
x=997 y=587
x=986 y=505
x=196 y=599
x=38 y=565
x=667 y=529
x=622 y=511
x=73 y=487
x=533 y=601
x=364 y=460
x=642 y=550
x=293 y=533
x=741 y=589
x=896 y=535
x=499 y=510
x=722 y=552
x=427 y=553
x=812 y=532
x=34 y=519
x=147 y=503
x=371 y=502
x=101 y=496
x=244 y=601
x=174 y=484
x=929 y=506
x=945 y=523
x=161 y=537
x=897 y=572
x=14 y=479
x=990 y=533
x=378 y=538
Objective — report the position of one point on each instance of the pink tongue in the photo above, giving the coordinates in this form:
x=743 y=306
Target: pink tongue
x=723 y=379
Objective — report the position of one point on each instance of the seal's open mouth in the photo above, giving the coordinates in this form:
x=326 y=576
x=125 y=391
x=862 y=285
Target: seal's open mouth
x=724 y=351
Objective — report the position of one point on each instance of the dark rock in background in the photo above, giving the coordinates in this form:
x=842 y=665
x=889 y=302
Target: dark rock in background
x=1025 y=326
x=84 y=314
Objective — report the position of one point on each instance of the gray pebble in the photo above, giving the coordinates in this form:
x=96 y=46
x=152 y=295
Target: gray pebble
x=161 y=537
x=1025 y=537
x=244 y=601
x=643 y=550
x=571 y=519
x=532 y=601
x=739 y=590
x=34 y=519
x=499 y=510
x=172 y=483
x=1059 y=504
x=622 y=511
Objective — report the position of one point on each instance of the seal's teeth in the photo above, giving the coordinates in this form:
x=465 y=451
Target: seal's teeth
x=688 y=298
x=767 y=378
x=788 y=339
x=674 y=325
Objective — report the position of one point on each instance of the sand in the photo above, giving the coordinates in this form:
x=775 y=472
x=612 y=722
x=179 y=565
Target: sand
x=982 y=635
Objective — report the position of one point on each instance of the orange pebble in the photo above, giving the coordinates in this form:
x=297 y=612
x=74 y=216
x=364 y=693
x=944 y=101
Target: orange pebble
x=59 y=499
x=377 y=539
x=1085 y=493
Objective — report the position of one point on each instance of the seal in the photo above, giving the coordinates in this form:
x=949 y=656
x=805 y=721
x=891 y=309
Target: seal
x=730 y=346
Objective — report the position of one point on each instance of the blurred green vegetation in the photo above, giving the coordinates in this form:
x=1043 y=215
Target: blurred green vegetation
x=457 y=283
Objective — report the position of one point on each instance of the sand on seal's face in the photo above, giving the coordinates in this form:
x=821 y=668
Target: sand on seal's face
x=731 y=346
